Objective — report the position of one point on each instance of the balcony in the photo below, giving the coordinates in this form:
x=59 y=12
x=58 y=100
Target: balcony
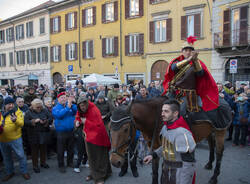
x=235 y=38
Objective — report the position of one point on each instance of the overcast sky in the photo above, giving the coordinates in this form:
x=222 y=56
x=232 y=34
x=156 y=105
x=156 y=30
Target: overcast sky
x=9 y=8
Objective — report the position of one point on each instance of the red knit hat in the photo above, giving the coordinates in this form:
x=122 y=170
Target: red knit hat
x=61 y=94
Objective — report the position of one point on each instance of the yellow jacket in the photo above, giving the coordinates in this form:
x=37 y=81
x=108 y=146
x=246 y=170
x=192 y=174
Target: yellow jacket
x=12 y=130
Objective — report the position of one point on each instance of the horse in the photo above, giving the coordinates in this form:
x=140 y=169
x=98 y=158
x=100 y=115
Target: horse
x=145 y=115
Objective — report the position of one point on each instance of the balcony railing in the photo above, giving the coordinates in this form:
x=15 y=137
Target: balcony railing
x=239 y=37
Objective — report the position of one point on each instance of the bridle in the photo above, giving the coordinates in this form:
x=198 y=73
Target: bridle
x=115 y=126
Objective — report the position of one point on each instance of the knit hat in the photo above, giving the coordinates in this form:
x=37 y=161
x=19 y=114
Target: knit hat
x=82 y=99
x=101 y=96
x=61 y=94
x=116 y=85
x=8 y=100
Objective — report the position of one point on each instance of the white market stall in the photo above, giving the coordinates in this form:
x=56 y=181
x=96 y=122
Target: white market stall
x=97 y=79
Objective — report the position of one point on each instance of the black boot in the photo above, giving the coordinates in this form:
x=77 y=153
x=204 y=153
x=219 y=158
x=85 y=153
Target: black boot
x=135 y=173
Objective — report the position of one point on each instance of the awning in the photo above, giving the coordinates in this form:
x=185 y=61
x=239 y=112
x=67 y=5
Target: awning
x=7 y=77
x=33 y=77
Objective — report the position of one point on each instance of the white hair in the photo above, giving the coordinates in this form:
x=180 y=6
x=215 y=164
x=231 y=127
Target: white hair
x=37 y=101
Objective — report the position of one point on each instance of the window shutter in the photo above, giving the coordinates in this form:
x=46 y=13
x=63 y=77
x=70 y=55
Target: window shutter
x=34 y=55
x=51 y=25
x=141 y=44
x=94 y=15
x=116 y=46
x=51 y=54
x=22 y=31
x=103 y=13
x=127 y=9
x=197 y=25
x=76 y=51
x=38 y=55
x=84 y=18
x=126 y=45
x=83 y=50
x=59 y=53
x=27 y=33
x=141 y=8
x=151 y=1
x=31 y=28
x=59 y=23
x=66 y=22
x=46 y=54
x=91 y=48
x=16 y=34
x=4 y=59
x=115 y=10
x=243 y=25
x=226 y=28
x=169 y=30
x=104 y=47
x=75 y=20
x=27 y=55
x=67 y=52
x=183 y=27
x=152 y=32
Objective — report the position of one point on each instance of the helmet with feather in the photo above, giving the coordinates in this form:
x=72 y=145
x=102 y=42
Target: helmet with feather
x=189 y=44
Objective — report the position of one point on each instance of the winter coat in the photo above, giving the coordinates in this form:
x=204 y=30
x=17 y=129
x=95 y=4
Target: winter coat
x=241 y=112
x=64 y=117
x=105 y=109
x=35 y=133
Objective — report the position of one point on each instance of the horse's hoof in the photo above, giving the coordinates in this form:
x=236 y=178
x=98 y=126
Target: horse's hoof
x=208 y=166
x=212 y=181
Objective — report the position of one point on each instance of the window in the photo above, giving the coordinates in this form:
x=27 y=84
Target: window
x=55 y=24
x=11 y=58
x=20 y=32
x=31 y=56
x=2 y=60
x=56 y=53
x=160 y=31
x=42 y=53
x=109 y=12
x=2 y=40
x=134 y=44
x=29 y=29
x=134 y=8
x=87 y=49
x=157 y=1
x=109 y=46
x=72 y=51
x=71 y=20
x=10 y=34
x=42 y=25
x=89 y=16
x=190 y=25
x=20 y=56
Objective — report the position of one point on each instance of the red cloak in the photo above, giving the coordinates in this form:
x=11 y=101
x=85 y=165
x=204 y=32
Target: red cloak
x=206 y=86
x=94 y=128
x=178 y=123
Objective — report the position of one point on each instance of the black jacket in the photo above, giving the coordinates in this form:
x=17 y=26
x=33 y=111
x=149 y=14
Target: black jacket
x=105 y=109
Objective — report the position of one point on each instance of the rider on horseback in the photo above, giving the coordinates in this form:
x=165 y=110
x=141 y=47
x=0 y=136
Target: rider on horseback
x=188 y=79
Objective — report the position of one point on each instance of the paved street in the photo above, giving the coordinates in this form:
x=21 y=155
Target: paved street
x=235 y=170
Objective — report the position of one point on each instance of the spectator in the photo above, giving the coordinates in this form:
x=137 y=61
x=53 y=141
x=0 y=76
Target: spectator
x=91 y=95
x=64 y=114
x=101 y=91
x=4 y=93
x=112 y=94
x=21 y=105
x=153 y=91
x=241 y=120
x=143 y=94
x=97 y=140
x=79 y=81
x=241 y=89
x=30 y=96
x=38 y=120
x=11 y=140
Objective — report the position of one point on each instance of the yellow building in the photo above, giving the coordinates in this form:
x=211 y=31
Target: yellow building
x=99 y=37
x=170 y=23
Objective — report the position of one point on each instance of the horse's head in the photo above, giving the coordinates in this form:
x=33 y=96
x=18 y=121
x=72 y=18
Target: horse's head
x=122 y=134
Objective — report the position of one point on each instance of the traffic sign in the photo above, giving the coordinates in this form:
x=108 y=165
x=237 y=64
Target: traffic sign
x=233 y=66
x=70 y=68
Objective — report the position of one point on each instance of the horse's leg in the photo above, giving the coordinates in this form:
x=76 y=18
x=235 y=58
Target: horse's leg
x=211 y=144
x=155 y=168
x=219 y=138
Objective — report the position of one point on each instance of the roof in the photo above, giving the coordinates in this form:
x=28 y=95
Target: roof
x=37 y=8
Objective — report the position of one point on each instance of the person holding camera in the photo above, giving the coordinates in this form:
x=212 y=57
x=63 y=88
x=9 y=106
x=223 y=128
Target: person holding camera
x=12 y=122
x=37 y=119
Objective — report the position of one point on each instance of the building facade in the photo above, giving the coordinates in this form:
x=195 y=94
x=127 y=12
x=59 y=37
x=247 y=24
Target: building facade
x=105 y=37
x=24 y=47
x=231 y=40
x=169 y=24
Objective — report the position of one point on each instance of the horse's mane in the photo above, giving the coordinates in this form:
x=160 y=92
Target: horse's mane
x=151 y=101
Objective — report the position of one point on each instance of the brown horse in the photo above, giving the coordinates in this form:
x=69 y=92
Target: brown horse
x=144 y=115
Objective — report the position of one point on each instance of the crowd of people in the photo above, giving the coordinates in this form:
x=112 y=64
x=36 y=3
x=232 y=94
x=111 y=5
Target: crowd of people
x=38 y=122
